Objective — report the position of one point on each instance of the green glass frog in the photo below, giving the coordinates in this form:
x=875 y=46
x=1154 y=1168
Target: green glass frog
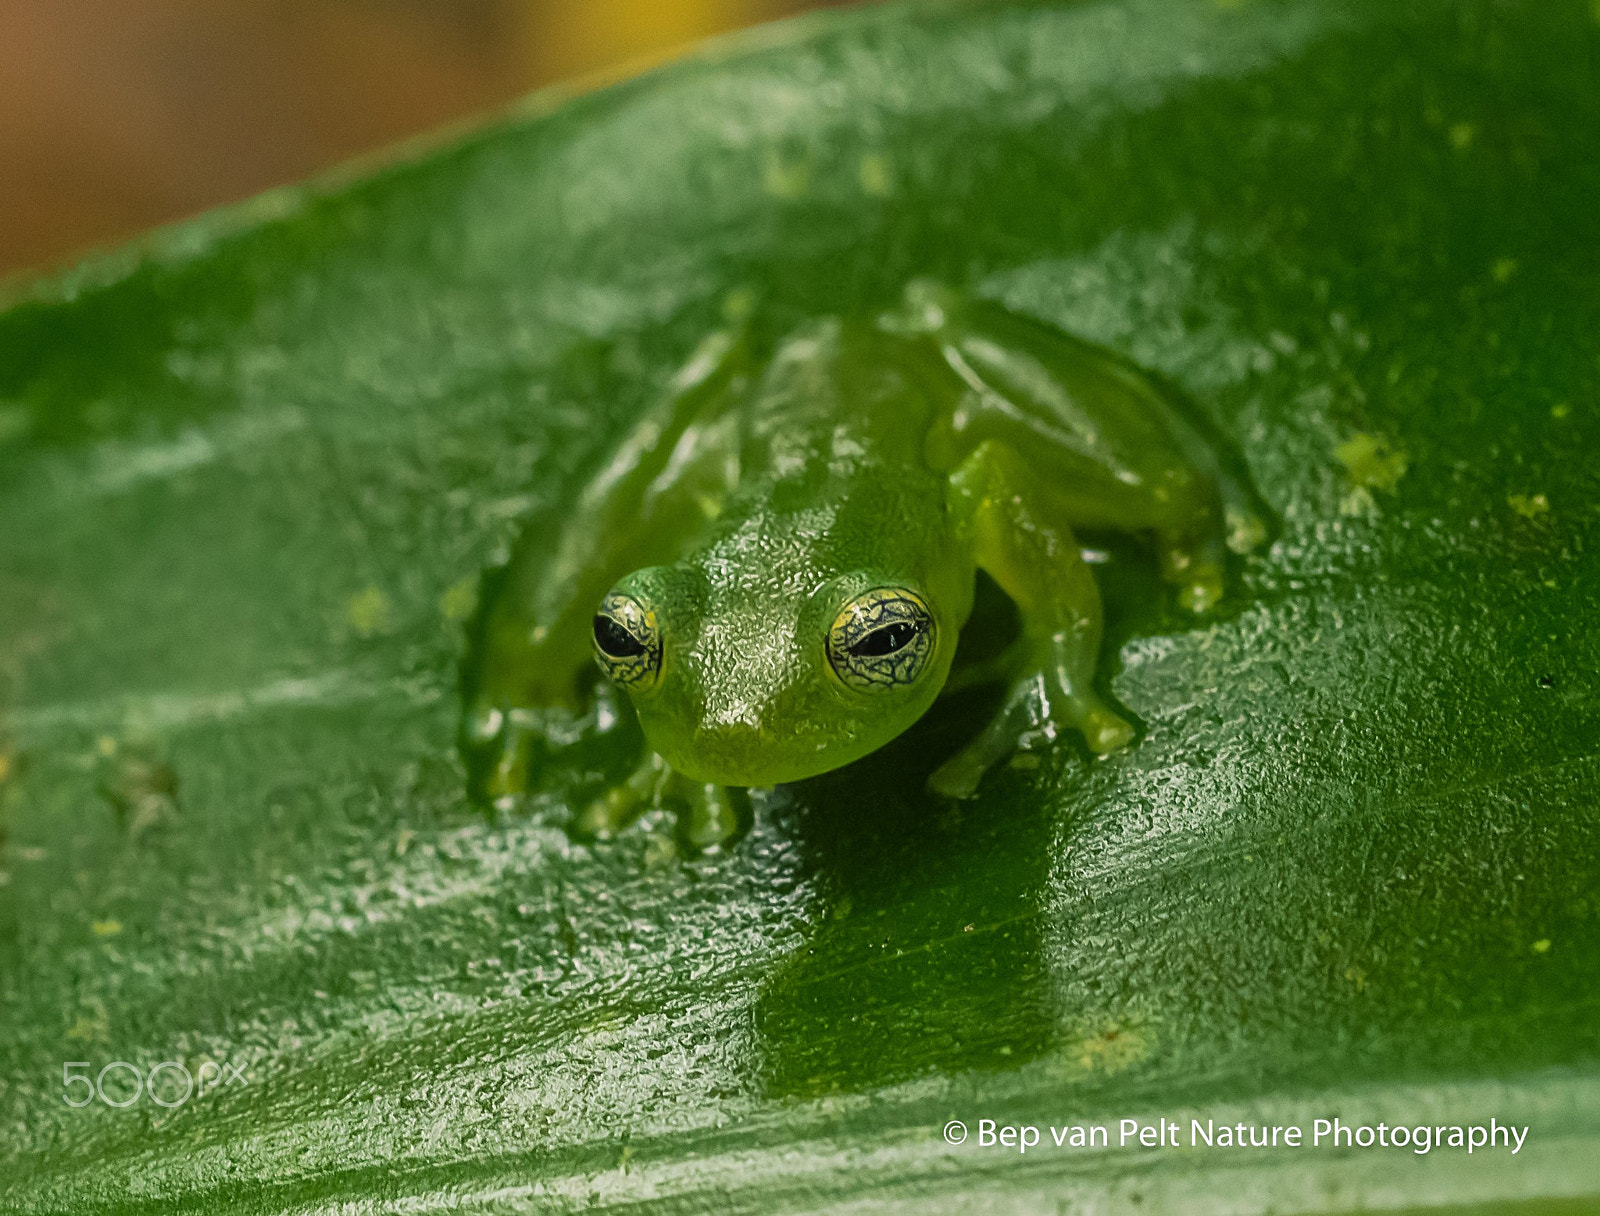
x=776 y=562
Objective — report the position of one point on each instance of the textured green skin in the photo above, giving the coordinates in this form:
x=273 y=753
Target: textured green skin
x=1314 y=886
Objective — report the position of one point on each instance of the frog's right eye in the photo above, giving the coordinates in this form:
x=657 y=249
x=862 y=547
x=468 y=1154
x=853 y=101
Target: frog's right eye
x=881 y=639
x=627 y=642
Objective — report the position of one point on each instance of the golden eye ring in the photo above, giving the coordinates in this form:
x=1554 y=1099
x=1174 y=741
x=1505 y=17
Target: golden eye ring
x=882 y=639
x=627 y=641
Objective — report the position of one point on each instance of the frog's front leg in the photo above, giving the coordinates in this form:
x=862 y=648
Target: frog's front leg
x=524 y=689
x=1026 y=545
x=708 y=815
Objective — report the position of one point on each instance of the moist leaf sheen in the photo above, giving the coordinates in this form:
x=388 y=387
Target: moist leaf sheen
x=251 y=468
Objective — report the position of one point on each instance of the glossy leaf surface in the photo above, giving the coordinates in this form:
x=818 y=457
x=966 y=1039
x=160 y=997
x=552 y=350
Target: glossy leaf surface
x=251 y=472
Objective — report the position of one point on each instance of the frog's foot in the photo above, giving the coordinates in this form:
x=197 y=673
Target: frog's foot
x=1194 y=564
x=1038 y=706
x=620 y=805
x=1246 y=529
x=709 y=816
x=506 y=746
x=1194 y=560
x=498 y=744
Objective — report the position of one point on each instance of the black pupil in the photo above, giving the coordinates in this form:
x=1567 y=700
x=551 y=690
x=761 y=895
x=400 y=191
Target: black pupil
x=614 y=640
x=886 y=640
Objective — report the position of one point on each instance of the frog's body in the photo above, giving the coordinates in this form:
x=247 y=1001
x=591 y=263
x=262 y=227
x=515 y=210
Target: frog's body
x=777 y=562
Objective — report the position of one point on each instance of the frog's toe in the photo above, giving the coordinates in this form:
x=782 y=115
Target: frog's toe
x=710 y=817
x=608 y=814
x=958 y=777
x=1104 y=731
x=624 y=802
x=1034 y=711
x=1195 y=568
x=1201 y=594
x=1246 y=528
x=1195 y=563
x=497 y=746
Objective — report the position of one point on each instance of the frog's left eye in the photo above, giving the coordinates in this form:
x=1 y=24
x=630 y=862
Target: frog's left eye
x=627 y=643
x=881 y=639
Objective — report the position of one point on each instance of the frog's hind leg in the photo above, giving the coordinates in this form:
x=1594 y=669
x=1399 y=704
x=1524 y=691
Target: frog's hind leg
x=1023 y=541
x=1111 y=447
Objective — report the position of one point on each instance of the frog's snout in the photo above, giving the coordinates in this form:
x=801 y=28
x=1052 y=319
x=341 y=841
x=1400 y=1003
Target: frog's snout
x=731 y=750
x=735 y=743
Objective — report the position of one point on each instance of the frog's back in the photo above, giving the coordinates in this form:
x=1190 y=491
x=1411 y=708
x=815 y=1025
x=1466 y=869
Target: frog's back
x=844 y=395
x=831 y=448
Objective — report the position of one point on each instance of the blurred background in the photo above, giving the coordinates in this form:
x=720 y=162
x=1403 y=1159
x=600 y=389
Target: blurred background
x=116 y=115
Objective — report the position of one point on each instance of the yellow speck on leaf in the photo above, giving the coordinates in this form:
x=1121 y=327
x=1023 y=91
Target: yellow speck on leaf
x=1503 y=269
x=1560 y=410
x=1529 y=506
x=403 y=841
x=1372 y=465
x=785 y=177
x=457 y=603
x=738 y=304
x=368 y=612
x=84 y=1028
x=1109 y=1049
x=5 y=765
x=106 y=928
x=90 y=1027
x=661 y=852
x=1461 y=135
x=874 y=175
x=1356 y=976
x=106 y=745
x=1542 y=946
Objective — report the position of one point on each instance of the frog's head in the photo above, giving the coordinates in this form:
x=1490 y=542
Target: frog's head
x=757 y=682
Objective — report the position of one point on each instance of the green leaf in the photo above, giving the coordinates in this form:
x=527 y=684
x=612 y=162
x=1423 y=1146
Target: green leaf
x=251 y=470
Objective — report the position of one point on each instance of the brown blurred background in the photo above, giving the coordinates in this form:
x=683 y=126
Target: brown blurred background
x=116 y=115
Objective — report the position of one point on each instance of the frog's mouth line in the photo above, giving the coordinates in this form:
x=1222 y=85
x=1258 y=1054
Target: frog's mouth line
x=752 y=756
